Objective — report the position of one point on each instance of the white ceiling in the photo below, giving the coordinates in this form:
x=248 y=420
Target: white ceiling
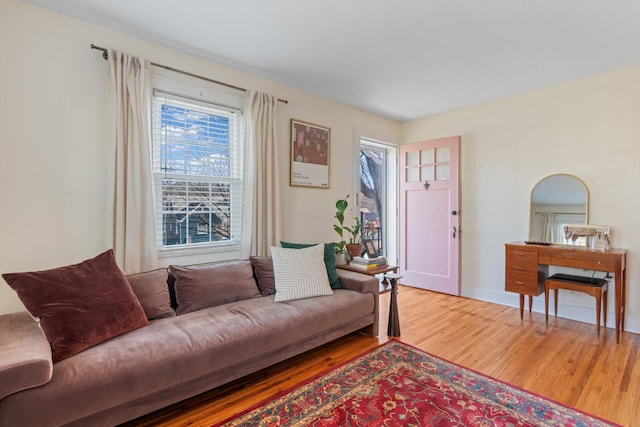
x=402 y=59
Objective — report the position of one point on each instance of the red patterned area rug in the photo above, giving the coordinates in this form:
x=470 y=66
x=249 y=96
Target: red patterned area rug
x=399 y=385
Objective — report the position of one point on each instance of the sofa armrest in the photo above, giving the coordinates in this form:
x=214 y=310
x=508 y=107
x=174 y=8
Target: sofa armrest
x=25 y=354
x=363 y=283
x=359 y=282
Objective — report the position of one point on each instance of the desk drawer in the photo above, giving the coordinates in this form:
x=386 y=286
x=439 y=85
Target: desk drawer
x=523 y=282
x=520 y=254
x=518 y=266
x=585 y=260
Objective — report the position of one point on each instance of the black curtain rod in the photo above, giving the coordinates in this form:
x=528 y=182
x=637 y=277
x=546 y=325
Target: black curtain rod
x=105 y=55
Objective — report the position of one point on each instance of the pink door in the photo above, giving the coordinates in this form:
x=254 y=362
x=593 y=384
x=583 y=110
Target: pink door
x=429 y=218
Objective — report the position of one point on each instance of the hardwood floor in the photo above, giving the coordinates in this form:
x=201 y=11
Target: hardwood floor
x=566 y=362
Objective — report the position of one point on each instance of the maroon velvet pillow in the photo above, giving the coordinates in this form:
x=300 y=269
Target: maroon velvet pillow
x=79 y=305
x=208 y=285
x=263 y=272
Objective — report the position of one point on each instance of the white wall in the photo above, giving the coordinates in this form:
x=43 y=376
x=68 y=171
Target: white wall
x=52 y=158
x=589 y=128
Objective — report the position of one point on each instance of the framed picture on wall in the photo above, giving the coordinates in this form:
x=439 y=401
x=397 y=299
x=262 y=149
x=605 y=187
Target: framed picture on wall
x=310 y=148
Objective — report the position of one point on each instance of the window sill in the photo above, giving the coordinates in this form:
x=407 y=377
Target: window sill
x=199 y=254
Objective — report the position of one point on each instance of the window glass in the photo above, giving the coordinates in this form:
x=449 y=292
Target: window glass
x=373 y=173
x=197 y=161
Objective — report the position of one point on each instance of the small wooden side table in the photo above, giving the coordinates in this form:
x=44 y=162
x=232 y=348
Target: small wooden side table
x=374 y=272
x=393 y=327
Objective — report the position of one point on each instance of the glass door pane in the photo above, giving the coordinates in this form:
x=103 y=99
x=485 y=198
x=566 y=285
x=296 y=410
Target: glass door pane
x=442 y=172
x=373 y=171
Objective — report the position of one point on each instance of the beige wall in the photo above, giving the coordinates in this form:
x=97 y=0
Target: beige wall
x=52 y=160
x=589 y=128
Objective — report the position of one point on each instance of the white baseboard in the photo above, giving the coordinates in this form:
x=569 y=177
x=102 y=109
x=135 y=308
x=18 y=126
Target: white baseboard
x=565 y=310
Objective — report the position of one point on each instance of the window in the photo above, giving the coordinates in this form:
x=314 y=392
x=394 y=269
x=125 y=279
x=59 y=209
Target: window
x=198 y=167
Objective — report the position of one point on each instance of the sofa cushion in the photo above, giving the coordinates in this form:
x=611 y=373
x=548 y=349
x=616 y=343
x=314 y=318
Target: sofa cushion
x=209 y=285
x=80 y=305
x=300 y=273
x=329 y=260
x=152 y=290
x=263 y=272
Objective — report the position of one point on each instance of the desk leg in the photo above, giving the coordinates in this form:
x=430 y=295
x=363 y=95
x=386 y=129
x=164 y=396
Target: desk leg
x=393 y=328
x=623 y=298
x=620 y=293
x=521 y=306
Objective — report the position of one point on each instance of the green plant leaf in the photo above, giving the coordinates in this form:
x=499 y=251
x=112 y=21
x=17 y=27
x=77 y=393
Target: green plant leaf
x=341 y=205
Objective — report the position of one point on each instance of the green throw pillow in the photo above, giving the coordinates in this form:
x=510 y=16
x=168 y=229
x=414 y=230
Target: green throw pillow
x=329 y=260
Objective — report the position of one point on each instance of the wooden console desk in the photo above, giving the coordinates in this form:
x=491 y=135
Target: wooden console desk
x=527 y=266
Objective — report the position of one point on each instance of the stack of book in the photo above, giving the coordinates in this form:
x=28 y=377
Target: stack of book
x=362 y=263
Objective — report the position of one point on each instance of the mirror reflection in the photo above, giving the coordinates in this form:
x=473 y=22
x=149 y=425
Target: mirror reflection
x=557 y=200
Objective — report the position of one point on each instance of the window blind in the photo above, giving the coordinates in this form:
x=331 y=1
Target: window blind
x=198 y=167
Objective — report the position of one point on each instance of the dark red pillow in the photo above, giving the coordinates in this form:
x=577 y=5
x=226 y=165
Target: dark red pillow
x=80 y=305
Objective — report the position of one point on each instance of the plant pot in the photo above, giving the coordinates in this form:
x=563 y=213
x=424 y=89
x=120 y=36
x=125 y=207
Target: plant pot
x=355 y=250
x=341 y=259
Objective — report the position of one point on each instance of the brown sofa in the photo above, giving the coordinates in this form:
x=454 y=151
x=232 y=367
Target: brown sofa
x=174 y=357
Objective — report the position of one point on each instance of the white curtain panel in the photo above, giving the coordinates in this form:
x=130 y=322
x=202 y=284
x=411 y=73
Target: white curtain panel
x=133 y=224
x=547 y=223
x=261 y=201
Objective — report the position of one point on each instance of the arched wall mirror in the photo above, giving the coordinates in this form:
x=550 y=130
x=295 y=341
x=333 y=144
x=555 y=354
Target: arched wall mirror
x=557 y=200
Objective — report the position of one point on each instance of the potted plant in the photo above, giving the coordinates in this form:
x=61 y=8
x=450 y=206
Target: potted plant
x=354 y=246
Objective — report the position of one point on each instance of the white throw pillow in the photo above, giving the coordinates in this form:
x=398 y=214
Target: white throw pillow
x=300 y=273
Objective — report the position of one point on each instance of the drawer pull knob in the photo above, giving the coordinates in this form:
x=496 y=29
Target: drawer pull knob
x=519 y=283
x=520 y=268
